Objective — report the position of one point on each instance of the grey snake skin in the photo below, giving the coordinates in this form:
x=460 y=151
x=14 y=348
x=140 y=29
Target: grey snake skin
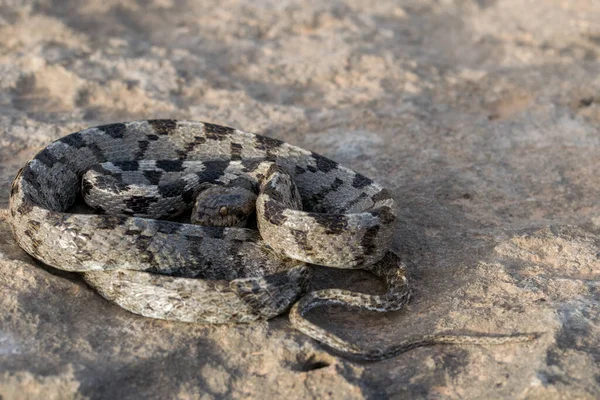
x=309 y=210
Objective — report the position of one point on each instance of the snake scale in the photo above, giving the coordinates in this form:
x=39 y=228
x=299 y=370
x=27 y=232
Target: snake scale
x=309 y=210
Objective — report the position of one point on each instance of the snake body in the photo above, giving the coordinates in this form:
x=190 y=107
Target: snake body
x=309 y=209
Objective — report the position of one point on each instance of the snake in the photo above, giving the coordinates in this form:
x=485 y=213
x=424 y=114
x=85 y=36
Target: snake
x=165 y=233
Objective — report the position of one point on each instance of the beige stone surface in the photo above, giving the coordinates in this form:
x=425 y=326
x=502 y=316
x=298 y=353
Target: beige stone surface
x=482 y=117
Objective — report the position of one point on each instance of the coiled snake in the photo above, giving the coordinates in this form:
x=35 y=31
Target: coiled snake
x=309 y=209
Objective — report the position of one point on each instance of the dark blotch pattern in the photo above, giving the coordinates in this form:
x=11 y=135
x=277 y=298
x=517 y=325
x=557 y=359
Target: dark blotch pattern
x=214 y=170
x=384 y=194
x=127 y=165
x=30 y=178
x=97 y=151
x=143 y=145
x=142 y=243
x=73 y=140
x=110 y=221
x=301 y=238
x=369 y=242
x=267 y=143
x=140 y=204
x=360 y=181
x=274 y=212
x=172 y=189
x=189 y=147
x=86 y=187
x=168 y=228
x=170 y=165
x=163 y=126
x=333 y=223
x=25 y=207
x=317 y=198
x=46 y=158
x=115 y=131
x=324 y=164
x=153 y=176
x=189 y=195
x=236 y=151
x=217 y=132
x=250 y=165
x=385 y=214
x=111 y=183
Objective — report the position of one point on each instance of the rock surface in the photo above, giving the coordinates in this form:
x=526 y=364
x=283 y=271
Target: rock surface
x=482 y=117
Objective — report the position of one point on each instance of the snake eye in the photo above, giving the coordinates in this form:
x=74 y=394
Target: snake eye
x=223 y=211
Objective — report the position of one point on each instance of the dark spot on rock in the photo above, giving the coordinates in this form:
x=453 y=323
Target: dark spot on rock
x=312 y=362
x=152 y=138
x=586 y=102
x=466 y=196
x=163 y=126
x=115 y=131
x=324 y=164
x=170 y=165
x=153 y=176
x=453 y=363
x=217 y=132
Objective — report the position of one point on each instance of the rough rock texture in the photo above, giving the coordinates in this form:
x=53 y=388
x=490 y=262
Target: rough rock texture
x=482 y=116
